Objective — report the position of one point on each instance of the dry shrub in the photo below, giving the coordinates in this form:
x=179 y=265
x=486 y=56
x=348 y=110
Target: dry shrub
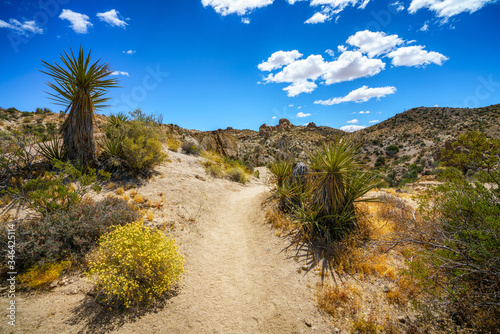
x=278 y=220
x=119 y=191
x=405 y=290
x=339 y=300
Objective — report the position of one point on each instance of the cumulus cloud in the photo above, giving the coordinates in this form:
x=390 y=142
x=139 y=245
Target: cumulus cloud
x=318 y=18
x=274 y=117
x=362 y=94
x=111 y=18
x=364 y=112
x=23 y=28
x=300 y=87
x=279 y=59
x=302 y=73
x=245 y=20
x=352 y=128
x=374 y=43
x=240 y=7
x=416 y=56
x=449 y=8
x=119 y=73
x=290 y=105
x=330 y=52
x=79 y=22
x=374 y=121
x=129 y=52
x=425 y=27
x=302 y=115
x=353 y=121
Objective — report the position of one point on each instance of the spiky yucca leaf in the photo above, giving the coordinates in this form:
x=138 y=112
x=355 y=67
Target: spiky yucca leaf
x=281 y=169
x=52 y=149
x=80 y=86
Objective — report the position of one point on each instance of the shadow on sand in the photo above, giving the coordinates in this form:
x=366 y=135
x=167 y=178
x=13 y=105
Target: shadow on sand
x=93 y=317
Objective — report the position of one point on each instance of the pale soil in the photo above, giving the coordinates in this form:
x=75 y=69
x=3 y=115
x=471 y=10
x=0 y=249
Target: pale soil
x=239 y=277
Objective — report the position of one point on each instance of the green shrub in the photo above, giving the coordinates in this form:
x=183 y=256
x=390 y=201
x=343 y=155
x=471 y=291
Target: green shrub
x=191 y=148
x=173 y=144
x=391 y=150
x=142 y=153
x=133 y=265
x=68 y=234
x=237 y=174
x=131 y=144
x=459 y=258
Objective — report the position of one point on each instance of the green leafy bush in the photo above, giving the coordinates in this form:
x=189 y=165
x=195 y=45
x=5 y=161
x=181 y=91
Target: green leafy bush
x=131 y=144
x=459 y=258
x=191 y=148
x=391 y=150
x=133 y=265
x=68 y=234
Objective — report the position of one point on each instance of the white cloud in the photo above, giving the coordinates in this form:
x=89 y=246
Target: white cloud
x=302 y=73
x=362 y=94
x=111 y=18
x=374 y=121
x=300 y=87
x=279 y=59
x=364 y=112
x=240 y=7
x=341 y=48
x=399 y=6
x=79 y=22
x=352 y=128
x=300 y=107
x=129 y=52
x=353 y=121
x=21 y=28
x=416 y=56
x=274 y=117
x=119 y=73
x=332 y=7
x=374 y=43
x=318 y=18
x=290 y=105
x=425 y=27
x=349 y=66
x=302 y=115
x=449 y=8
x=330 y=52
x=245 y=20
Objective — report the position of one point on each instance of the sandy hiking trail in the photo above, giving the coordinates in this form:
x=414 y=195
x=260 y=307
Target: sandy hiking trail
x=239 y=277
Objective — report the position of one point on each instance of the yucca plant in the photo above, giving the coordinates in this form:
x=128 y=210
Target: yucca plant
x=338 y=184
x=281 y=169
x=79 y=86
x=52 y=149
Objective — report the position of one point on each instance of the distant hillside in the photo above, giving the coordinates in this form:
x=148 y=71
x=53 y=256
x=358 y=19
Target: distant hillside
x=402 y=148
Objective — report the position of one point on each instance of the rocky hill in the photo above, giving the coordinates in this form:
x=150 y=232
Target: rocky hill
x=402 y=148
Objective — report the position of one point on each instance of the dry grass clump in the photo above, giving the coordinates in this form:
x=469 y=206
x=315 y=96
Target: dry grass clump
x=343 y=299
x=119 y=191
x=278 y=220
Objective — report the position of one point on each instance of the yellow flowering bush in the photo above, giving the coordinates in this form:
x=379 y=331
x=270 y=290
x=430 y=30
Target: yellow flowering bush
x=134 y=264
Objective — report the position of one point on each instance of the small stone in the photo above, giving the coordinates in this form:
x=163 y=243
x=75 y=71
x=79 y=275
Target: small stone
x=402 y=319
x=308 y=324
x=54 y=284
x=71 y=281
x=305 y=267
x=74 y=292
x=336 y=330
x=65 y=283
x=386 y=289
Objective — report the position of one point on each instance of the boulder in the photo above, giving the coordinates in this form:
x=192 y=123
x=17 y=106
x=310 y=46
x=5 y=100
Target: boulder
x=265 y=130
x=284 y=124
x=311 y=125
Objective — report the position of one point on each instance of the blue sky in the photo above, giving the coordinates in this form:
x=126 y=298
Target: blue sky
x=209 y=64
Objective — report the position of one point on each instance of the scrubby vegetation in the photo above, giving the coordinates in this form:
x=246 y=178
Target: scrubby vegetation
x=133 y=265
x=223 y=167
x=321 y=196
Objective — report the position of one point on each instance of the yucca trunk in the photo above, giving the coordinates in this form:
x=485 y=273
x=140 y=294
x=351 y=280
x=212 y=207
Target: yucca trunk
x=78 y=129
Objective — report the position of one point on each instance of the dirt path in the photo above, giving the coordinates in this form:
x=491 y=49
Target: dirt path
x=239 y=280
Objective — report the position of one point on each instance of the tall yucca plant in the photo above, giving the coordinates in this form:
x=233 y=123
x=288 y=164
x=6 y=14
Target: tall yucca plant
x=80 y=87
x=338 y=184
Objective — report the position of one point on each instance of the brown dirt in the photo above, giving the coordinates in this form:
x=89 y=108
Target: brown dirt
x=239 y=278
